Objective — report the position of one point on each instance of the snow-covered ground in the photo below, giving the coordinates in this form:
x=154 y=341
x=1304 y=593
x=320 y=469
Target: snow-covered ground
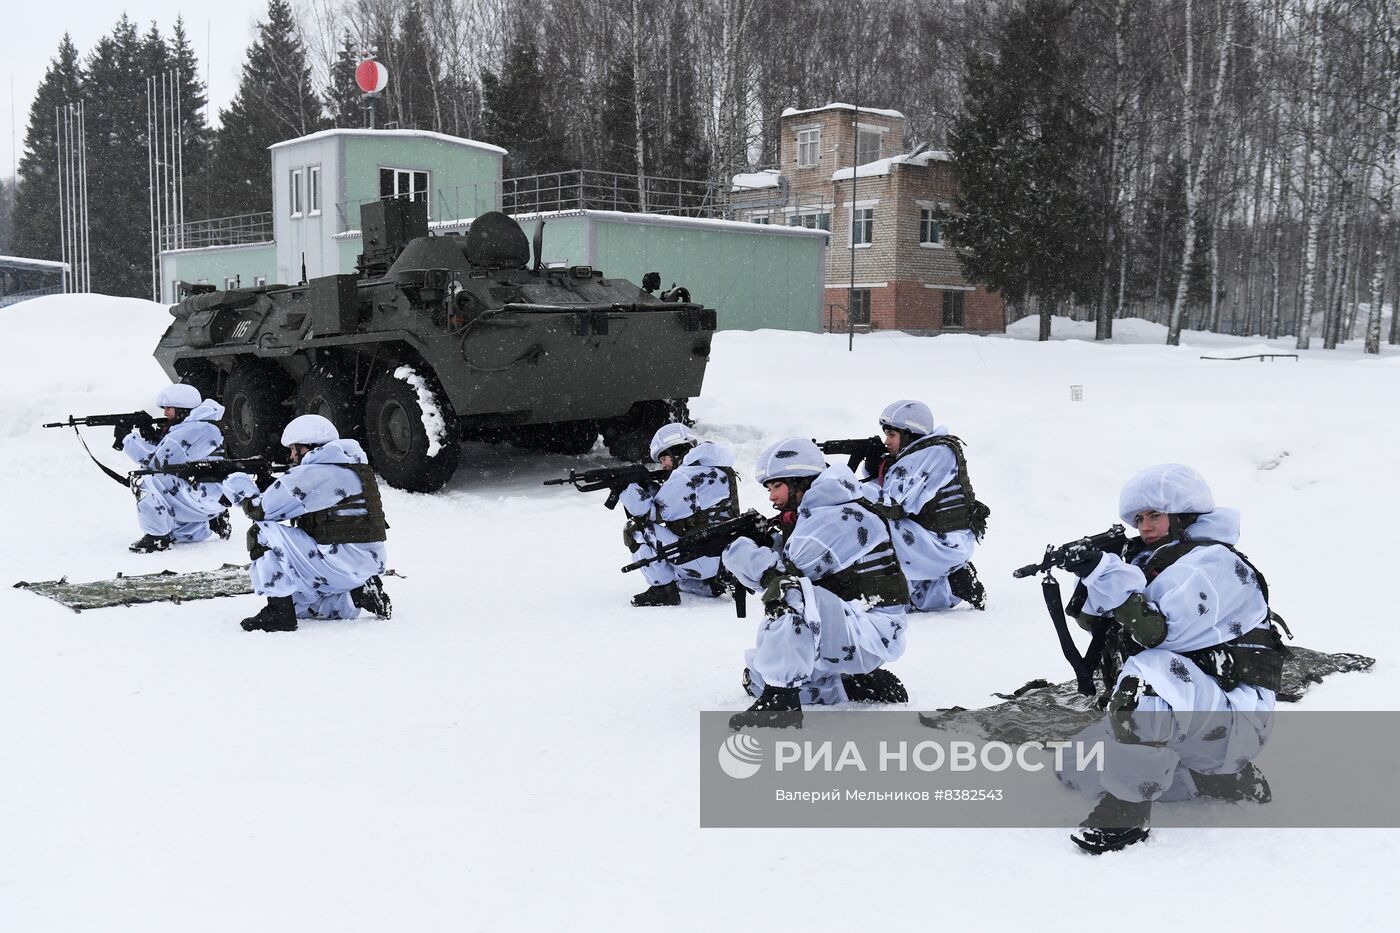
x=516 y=749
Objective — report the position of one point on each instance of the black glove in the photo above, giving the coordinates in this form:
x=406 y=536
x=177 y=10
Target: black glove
x=150 y=431
x=1081 y=560
x=119 y=432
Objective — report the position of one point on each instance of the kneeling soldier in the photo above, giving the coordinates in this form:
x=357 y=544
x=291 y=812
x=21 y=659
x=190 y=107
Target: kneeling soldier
x=172 y=510
x=325 y=563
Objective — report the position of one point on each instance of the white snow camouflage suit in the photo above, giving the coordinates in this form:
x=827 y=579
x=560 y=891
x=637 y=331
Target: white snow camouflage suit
x=821 y=636
x=318 y=577
x=1209 y=596
x=912 y=479
x=168 y=505
x=698 y=493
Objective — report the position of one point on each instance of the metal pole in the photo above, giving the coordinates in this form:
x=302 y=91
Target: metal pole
x=82 y=153
x=151 y=185
x=179 y=169
x=72 y=193
x=58 y=157
x=855 y=181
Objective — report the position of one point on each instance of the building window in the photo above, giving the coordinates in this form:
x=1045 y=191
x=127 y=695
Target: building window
x=403 y=183
x=930 y=234
x=294 y=193
x=760 y=219
x=867 y=145
x=859 y=310
x=862 y=226
x=816 y=220
x=313 y=190
x=809 y=146
x=953 y=309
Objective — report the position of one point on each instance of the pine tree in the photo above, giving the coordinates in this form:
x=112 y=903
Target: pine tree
x=415 y=76
x=36 y=197
x=1024 y=150
x=619 y=126
x=515 y=112
x=7 y=214
x=119 y=201
x=194 y=128
x=342 y=97
x=274 y=102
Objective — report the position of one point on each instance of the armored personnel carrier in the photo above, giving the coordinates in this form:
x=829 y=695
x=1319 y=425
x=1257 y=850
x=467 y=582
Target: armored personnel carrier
x=439 y=339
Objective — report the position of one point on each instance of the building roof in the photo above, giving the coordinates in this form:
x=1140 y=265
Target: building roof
x=768 y=178
x=793 y=112
x=885 y=166
x=39 y=265
x=415 y=134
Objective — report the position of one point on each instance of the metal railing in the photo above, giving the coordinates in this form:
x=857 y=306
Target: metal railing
x=15 y=298
x=238 y=230
x=586 y=189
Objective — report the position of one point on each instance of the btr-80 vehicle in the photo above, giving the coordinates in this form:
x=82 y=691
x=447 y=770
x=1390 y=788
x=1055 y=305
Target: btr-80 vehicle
x=440 y=339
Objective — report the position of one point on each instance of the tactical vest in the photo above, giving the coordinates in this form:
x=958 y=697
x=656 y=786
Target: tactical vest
x=704 y=518
x=875 y=577
x=357 y=519
x=1256 y=657
x=955 y=506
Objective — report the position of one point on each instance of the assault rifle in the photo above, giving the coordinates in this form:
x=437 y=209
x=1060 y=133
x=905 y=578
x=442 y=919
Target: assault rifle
x=1087 y=664
x=869 y=449
x=711 y=542
x=1111 y=540
x=131 y=419
x=613 y=479
x=214 y=471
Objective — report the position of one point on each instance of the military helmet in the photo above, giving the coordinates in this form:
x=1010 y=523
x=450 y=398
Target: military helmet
x=671 y=435
x=310 y=430
x=907 y=415
x=178 y=395
x=1170 y=488
x=791 y=458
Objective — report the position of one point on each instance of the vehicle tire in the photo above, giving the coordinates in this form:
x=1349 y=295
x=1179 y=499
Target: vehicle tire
x=574 y=438
x=629 y=437
x=397 y=440
x=330 y=391
x=256 y=410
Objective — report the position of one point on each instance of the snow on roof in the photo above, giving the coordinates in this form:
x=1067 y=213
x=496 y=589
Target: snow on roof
x=874 y=111
x=20 y=262
x=414 y=134
x=768 y=178
x=883 y=166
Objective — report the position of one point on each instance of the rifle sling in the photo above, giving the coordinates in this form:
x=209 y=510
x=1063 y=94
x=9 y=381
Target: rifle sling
x=124 y=480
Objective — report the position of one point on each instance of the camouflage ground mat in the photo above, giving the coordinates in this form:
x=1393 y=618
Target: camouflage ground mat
x=1046 y=712
x=164 y=587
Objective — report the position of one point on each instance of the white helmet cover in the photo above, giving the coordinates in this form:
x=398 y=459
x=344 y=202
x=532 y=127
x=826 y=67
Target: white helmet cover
x=178 y=395
x=791 y=458
x=311 y=430
x=907 y=415
x=671 y=435
x=1170 y=488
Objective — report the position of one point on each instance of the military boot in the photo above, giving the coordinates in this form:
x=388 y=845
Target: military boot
x=777 y=708
x=1112 y=825
x=665 y=594
x=1248 y=783
x=221 y=526
x=370 y=597
x=878 y=686
x=965 y=586
x=149 y=544
x=279 y=615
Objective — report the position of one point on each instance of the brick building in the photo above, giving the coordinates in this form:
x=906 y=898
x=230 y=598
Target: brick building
x=906 y=275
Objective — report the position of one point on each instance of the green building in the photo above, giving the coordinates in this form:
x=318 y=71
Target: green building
x=755 y=275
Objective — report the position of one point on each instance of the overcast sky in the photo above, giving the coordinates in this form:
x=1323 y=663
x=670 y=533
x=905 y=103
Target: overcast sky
x=220 y=33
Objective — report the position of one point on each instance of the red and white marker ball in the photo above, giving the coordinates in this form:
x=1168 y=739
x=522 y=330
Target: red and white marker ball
x=371 y=76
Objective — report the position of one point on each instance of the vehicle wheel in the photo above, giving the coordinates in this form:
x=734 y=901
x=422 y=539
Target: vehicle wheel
x=562 y=437
x=629 y=437
x=330 y=392
x=396 y=438
x=256 y=411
